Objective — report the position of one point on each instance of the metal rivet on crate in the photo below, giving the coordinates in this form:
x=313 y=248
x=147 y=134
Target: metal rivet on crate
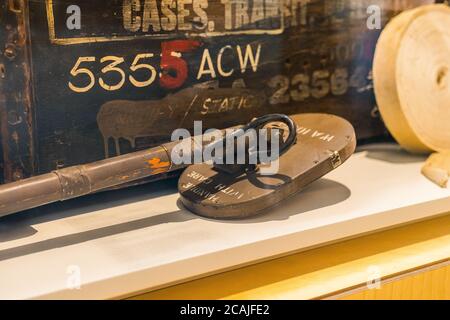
x=10 y=52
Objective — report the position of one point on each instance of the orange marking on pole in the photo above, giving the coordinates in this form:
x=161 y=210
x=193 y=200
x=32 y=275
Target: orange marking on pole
x=158 y=166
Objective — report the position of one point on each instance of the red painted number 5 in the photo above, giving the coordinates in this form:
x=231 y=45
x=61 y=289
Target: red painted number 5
x=174 y=69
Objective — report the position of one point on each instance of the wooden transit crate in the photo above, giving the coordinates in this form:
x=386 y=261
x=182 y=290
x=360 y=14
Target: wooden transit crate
x=81 y=80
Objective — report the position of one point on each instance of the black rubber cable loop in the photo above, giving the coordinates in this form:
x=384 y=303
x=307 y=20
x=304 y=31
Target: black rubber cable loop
x=259 y=123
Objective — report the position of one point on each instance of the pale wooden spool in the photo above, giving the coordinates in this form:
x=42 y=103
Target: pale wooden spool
x=412 y=78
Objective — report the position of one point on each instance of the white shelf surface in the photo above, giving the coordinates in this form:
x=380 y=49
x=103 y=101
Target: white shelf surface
x=130 y=241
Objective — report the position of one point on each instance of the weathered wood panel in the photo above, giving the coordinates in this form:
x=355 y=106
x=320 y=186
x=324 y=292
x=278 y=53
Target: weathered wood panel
x=134 y=70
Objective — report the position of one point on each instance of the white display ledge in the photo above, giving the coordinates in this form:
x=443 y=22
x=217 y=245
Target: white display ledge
x=131 y=241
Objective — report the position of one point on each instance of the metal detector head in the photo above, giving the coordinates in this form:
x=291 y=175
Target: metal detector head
x=311 y=145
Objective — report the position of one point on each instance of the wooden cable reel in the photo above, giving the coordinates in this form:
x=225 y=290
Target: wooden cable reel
x=412 y=78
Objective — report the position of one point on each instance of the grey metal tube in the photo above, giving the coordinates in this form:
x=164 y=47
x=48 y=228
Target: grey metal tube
x=80 y=180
